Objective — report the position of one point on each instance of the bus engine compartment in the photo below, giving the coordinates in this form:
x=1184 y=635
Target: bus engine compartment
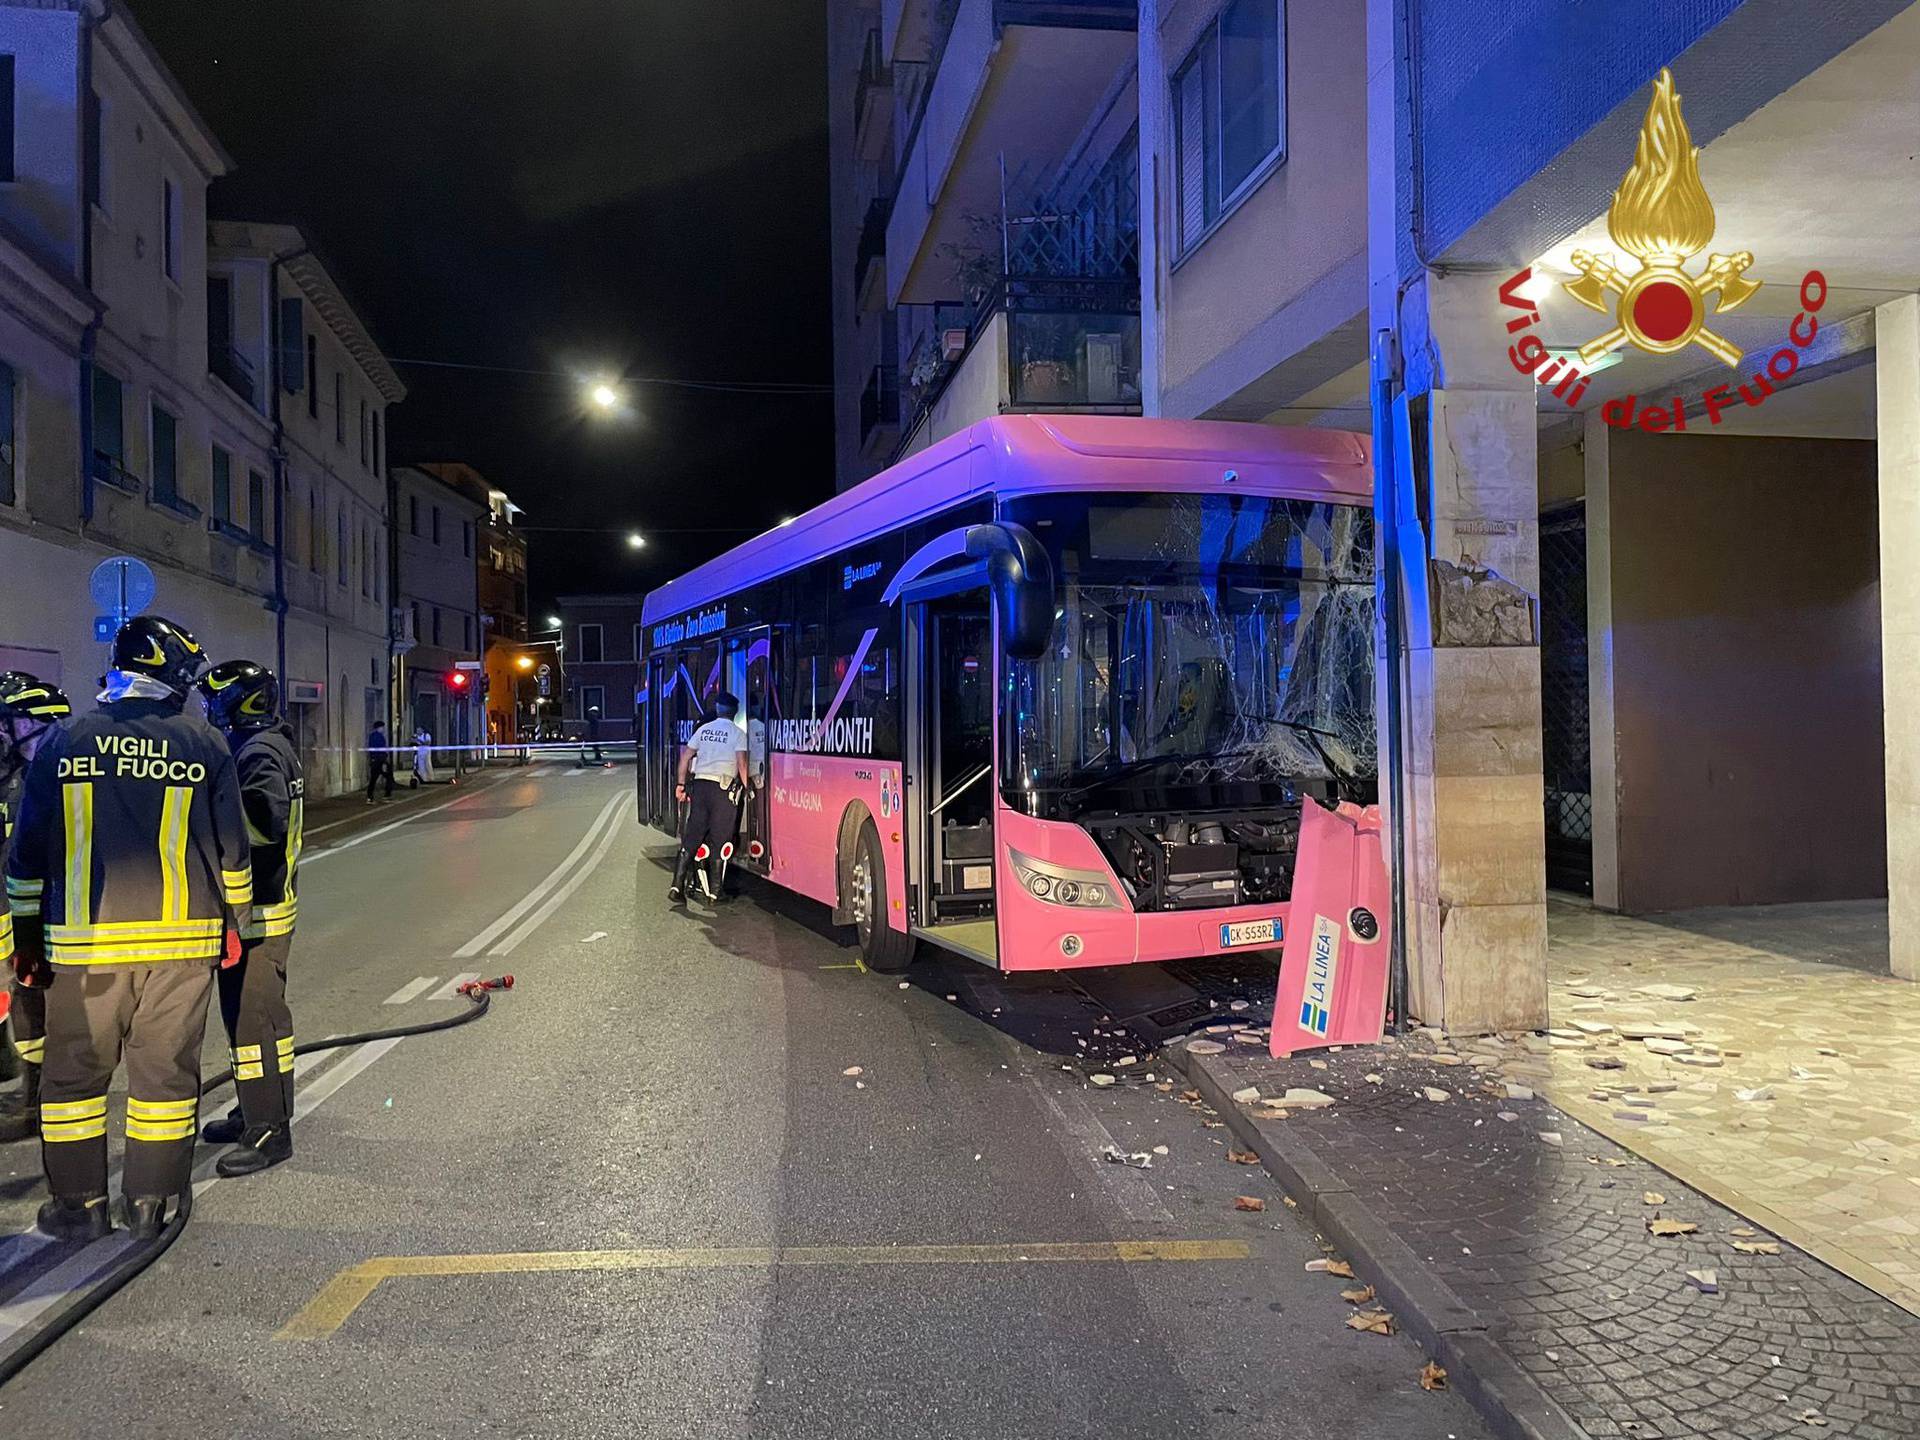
x=1194 y=862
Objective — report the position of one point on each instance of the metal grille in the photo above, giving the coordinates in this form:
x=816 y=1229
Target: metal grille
x=1566 y=741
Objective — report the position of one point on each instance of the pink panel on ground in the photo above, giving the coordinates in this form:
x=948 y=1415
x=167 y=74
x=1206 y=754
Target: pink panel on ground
x=1334 y=966
x=811 y=794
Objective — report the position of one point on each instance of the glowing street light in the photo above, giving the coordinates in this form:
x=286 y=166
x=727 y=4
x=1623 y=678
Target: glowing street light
x=525 y=662
x=553 y=621
x=635 y=540
x=604 y=397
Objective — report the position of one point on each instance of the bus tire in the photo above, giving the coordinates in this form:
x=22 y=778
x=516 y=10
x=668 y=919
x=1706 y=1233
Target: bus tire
x=882 y=948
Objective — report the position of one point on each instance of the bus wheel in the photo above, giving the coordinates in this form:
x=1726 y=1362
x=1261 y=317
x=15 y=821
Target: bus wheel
x=882 y=947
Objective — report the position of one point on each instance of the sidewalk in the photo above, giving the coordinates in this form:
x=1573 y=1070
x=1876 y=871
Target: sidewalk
x=1514 y=1243
x=338 y=817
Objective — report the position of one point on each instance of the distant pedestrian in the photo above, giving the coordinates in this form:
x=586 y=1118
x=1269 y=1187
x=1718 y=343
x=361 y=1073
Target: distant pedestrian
x=422 y=758
x=379 y=759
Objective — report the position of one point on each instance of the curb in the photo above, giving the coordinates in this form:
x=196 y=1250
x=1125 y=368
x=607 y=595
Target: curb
x=1460 y=1338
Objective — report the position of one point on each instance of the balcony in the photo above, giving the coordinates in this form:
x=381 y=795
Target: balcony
x=868 y=291
x=873 y=104
x=230 y=368
x=880 y=411
x=1010 y=87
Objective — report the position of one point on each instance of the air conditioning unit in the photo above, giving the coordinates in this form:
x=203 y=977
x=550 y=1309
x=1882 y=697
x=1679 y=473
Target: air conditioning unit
x=305 y=692
x=953 y=342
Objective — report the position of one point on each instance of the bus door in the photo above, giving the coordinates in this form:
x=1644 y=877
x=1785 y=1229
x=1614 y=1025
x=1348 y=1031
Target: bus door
x=656 y=753
x=949 y=732
x=748 y=676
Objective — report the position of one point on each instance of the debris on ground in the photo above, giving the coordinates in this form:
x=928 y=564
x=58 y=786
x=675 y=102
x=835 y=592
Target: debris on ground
x=1329 y=1266
x=1550 y=1137
x=1707 y=1282
x=1139 y=1159
x=1375 y=1078
x=1360 y=1296
x=1435 y=1094
x=1744 y=1232
x=1433 y=1377
x=1100 y=1077
x=1811 y=1417
x=1245 y=1096
x=1759 y=1092
x=1518 y=1092
x=1666 y=992
x=1304 y=1098
x=1249 y=1202
x=1371 y=1322
x=595 y=936
x=1205 y=1047
x=1505 y=1115
x=1610 y=1161
x=852 y=1070
x=1243 y=1157
x=1659 y=1225
x=1757 y=1247
x=1653 y=1197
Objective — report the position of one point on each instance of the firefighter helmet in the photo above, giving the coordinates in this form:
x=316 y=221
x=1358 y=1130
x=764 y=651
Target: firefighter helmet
x=241 y=695
x=160 y=650
x=27 y=697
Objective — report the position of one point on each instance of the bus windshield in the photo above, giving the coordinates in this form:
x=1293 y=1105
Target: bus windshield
x=1216 y=645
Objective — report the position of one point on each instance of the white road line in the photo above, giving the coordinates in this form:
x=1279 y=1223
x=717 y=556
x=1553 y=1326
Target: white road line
x=354 y=840
x=1130 y=1189
x=558 y=898
x=412 y=990
x=310 y=1099
x=452 y=987
x=539 y=892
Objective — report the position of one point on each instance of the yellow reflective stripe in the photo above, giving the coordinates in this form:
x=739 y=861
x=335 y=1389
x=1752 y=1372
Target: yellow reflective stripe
x=174 y=810
x=160 y=1131
x=134 y=929
x=285 y=1050
x=6 y=934
x=286 y=908
x=255 y=1071
x=238 y=885
x=296 y=841
x=133 y=952
x=162 y=1109
x=93 y=1108
x=30 y=1051
x=246 y=1052
x=283 y=1044
x=18 y=889
x=58 y=1132
x=76 y=799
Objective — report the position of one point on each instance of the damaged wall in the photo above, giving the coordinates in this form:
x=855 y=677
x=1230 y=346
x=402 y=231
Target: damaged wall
x=1746 y=670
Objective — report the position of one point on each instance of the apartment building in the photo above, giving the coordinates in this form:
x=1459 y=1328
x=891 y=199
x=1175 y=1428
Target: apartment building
x=605 y=653
x=439 y=637
x=200 y=397
x=511 y=663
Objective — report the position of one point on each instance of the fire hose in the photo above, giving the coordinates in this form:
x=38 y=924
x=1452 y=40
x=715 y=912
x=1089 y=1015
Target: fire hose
x=82 y=1303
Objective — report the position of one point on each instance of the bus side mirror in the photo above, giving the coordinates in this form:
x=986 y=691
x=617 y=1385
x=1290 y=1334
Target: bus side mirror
x=1022 y=579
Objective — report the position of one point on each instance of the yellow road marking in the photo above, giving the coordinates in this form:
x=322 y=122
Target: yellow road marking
x=342 y=1295
x=848 y=966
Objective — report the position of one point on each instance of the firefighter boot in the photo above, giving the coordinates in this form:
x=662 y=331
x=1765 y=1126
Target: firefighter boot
x=263 y=1147
x=677 y=891
x=24 y=1124
x=75 y=1218
x=146 y=1215
x=227 y=1130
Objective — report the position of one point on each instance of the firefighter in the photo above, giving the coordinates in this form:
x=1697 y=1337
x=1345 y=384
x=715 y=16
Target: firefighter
x=243 y=702
x=713 y=771
x=29 y=708
x=131 y=849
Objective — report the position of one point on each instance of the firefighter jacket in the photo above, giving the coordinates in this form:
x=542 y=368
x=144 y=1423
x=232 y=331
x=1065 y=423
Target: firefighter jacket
x=129 y=843
x=8 y=792
x=273 y=796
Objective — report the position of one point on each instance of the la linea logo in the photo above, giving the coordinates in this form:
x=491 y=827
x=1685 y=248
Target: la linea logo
x=1662 y=216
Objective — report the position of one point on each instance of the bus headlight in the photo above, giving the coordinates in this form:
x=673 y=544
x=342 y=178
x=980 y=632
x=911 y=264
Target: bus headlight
x=1060 y=885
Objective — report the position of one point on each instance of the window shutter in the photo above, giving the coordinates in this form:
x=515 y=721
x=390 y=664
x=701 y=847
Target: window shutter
x=1190 y=110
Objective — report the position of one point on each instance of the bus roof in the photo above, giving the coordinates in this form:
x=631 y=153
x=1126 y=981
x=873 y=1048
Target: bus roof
x=1025 y=454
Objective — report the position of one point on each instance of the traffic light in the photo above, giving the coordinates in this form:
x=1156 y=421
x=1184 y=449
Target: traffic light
x=457 y=680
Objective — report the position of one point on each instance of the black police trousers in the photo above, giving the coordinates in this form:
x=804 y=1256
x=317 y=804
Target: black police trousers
x=712 y=818
x=152 y=1016
x=253 y=1006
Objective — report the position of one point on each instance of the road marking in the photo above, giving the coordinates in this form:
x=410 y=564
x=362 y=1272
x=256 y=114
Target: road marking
x=343 y=1294
x=375 y=834
x=1130 y=1189
x=452 y=987
x=412 y=990
x=534 y=896
x=559 y=897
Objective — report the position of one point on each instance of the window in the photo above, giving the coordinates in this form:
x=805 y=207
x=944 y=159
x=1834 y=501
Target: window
x=313 y=377
x=592 y=644
x=222 y=487
x=364 y=459
x=593 y=702
x=342 y=556
x=376 y=442
x=339 y=408
x=257 y=504
x=466 y=539
x=166 y=458
x=316 y=551
x=170 y=228
x=6 y=118
x=1228 y=113
x=7 y=409
x=366 y=560
x=413 y=516
x=436 y=624
x=109 y=428
x=436 y=524
x=379 y=567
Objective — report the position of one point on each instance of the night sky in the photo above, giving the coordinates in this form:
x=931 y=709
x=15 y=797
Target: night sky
x=555 y=185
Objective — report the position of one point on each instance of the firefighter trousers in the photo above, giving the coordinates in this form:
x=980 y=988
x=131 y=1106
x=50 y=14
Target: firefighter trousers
x=253 y=1005
x=28 y=1021
x=155 y=1018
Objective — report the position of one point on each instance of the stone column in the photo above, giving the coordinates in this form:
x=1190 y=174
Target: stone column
x=1897 y=386
x=1152 y=150
x=1476 y=881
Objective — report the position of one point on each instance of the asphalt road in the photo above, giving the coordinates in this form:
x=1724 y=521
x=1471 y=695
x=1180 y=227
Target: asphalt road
x=680 y=1216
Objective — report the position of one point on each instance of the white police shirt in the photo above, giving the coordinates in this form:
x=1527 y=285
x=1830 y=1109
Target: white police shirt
x=714 y=746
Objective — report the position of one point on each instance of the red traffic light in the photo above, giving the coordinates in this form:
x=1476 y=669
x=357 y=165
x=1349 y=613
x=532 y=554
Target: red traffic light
x=457 y=679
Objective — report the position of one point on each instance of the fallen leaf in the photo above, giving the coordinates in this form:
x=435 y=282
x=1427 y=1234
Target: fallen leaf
x=1653 y=1197
x=1745 y=1232
x=1328 y=1266
x=1243 y=1157
x=853 y=1070
x=1433 y=1377
x=1659 y=1226
x=1357 y=1297
x=1372 y=1322
x=1249 y=1202
x=1191 y=1097
x=1164 y=1087
x=1757 y=1247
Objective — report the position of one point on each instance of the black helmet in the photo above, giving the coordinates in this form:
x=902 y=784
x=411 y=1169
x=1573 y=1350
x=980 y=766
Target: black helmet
x=26 y=697
x=160 y=650
x=726 y=703
x=241 y=695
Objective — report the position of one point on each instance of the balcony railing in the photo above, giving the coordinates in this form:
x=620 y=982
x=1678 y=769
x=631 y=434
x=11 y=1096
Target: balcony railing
x=873 y=241
x=231 y=369
x=880 y=404
x=873 y=82
x=1072 y=344
x=1069 y=14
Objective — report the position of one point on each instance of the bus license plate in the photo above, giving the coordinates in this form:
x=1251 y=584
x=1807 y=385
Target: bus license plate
x=1249 y=932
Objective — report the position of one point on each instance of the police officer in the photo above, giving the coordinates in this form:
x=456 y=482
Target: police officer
x=131 y=847
x=713 y=767
x=29 y=708
x=243 y=701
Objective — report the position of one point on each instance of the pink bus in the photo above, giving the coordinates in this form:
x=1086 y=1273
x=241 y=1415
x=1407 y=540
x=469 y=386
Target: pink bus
x=1052 y=692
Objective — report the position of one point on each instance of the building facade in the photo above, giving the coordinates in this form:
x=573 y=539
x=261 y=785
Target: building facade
x=439 y=637
x=604 y=653
x=1326 y=200
x=198 y=397
x=511 y=664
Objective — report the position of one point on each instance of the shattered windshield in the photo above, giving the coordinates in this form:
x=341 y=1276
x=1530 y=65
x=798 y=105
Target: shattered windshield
x=1199 y=640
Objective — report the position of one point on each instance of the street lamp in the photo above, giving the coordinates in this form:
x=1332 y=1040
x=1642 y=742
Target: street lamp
x=525 y=662
x=635 y=540
x=553 y=622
